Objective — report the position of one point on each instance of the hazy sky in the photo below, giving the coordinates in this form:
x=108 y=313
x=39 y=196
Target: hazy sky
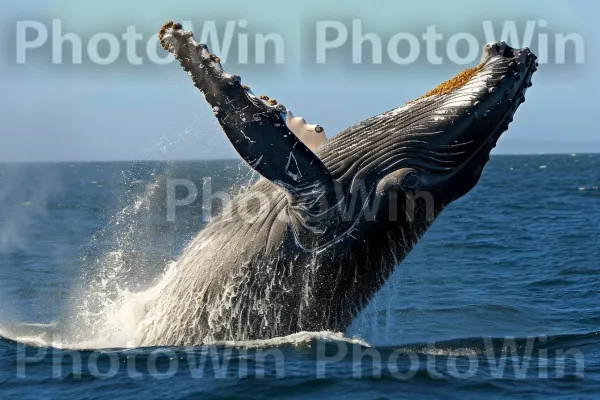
x=122 y=111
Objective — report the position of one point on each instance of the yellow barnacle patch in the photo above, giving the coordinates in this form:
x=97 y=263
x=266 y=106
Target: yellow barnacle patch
x=458 y=81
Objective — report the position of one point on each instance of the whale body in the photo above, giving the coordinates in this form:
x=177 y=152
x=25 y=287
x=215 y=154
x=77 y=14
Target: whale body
x=308 y=245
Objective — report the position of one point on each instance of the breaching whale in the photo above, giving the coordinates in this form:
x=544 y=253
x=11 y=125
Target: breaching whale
x=330 y=219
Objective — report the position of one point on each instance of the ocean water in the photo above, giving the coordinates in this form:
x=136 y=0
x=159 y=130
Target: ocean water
x=500 y=299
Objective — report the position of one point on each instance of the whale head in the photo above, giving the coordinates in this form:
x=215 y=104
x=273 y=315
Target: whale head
x=440 y=143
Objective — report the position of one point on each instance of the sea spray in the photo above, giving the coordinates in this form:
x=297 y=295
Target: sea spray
x=127 y=258
x=25 y=190
x=108 y=309
x=99 y=311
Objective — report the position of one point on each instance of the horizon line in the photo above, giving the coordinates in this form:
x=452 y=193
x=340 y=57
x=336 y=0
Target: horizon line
x=242 y=161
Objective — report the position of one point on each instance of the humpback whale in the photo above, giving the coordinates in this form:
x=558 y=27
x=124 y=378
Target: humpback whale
x=330 y=219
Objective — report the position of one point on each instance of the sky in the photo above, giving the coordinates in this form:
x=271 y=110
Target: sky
x=53 y=109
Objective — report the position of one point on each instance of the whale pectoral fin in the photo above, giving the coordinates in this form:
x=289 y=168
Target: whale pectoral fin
x=255 y=126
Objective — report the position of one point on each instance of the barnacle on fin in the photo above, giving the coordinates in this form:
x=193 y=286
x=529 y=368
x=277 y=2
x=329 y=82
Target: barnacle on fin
x=164 y=28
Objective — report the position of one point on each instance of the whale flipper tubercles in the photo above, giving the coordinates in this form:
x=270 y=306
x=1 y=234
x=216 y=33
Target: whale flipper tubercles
x=256 y=126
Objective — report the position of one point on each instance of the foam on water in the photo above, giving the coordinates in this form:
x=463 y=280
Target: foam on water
x=26 y=334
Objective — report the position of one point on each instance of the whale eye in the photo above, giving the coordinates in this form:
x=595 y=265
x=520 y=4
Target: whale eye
x=411 y=181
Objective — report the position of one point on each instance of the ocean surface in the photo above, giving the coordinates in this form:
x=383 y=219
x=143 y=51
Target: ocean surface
x=500 y=299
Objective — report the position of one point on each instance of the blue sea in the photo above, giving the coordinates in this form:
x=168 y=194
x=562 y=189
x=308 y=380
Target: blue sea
x=500 y=299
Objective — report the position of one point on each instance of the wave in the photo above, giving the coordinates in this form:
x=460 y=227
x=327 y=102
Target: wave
x=589 y=189
x=480 y=346
x=26 y=334
x=472 y=346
